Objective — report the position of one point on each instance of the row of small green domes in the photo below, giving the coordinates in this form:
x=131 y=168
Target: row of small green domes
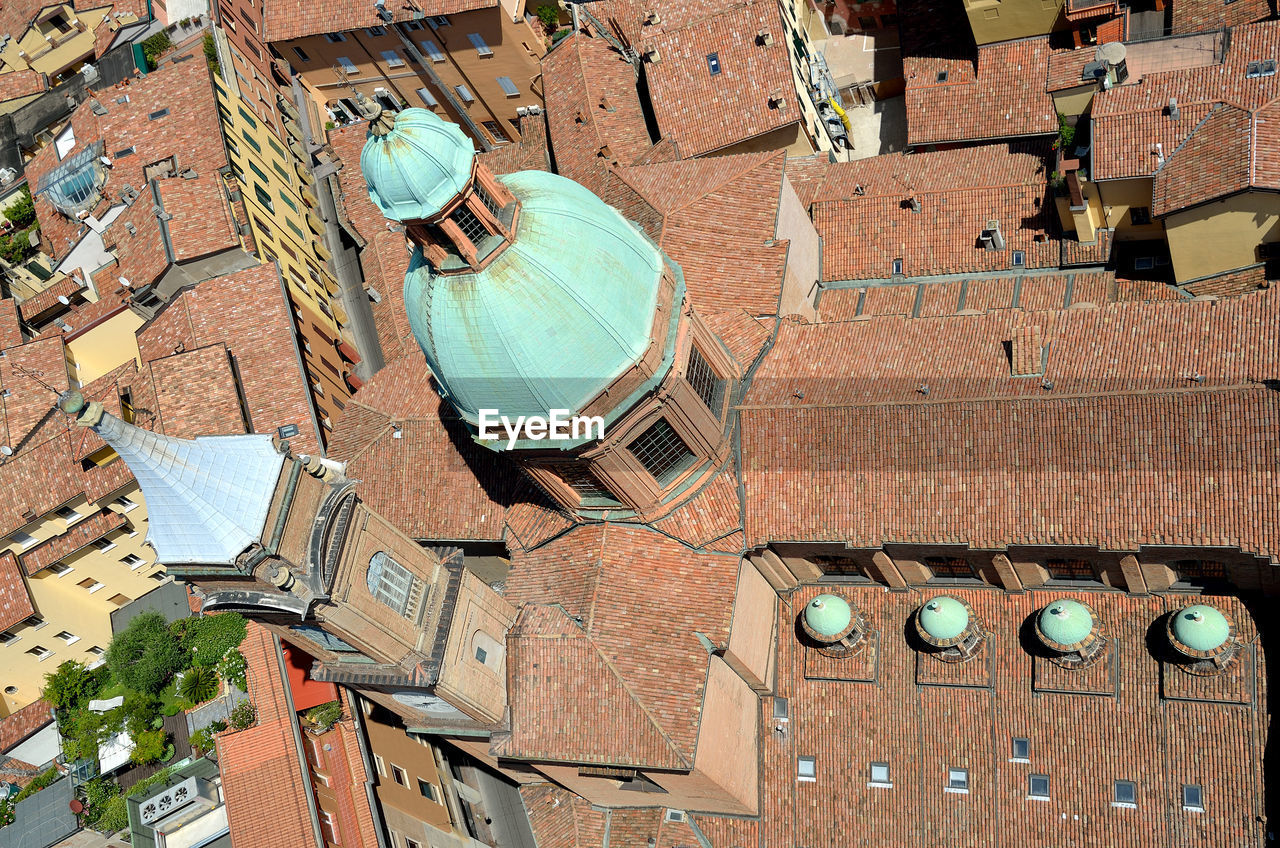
x=1064 y=621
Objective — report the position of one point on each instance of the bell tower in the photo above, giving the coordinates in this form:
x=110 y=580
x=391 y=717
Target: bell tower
x=532 y=298
x=285 y=540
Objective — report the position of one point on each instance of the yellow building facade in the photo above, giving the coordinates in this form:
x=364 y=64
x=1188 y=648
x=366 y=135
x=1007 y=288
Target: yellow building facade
x=1005 y=20
x=75 y=594
x=60 y=40
x=1222 y=235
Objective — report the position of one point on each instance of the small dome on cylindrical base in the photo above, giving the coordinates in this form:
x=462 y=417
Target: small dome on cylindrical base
x=949 y=629
x=834 y=625
x=1069 y=629
x=1205 y=637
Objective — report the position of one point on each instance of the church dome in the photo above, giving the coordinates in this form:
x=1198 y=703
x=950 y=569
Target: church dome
x=828 y=615
x=553 y=319
x=416 y=168
x=1201 y=627
x=1066 y=622
x=944 y=618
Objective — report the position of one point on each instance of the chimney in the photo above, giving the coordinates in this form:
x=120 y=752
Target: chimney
x=1174 y=112
x=1159 y=151
x=992 y=238
x=652 y=18
x=775 y=99
x=1026 y=352
x=764 y=38
x=652 y=56
x=915 y=204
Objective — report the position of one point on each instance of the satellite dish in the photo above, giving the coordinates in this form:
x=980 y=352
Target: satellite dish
x=5 y=450
x=62 y=298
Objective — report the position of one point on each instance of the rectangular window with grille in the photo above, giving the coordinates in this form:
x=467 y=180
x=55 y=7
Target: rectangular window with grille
x=704 y=381
x=1077 y=570
x=583 y=482
x=949 y=568
x=662 y=452
x=470 y=224
x=487 y=200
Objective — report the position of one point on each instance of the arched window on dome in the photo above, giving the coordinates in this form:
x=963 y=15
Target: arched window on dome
x=391 y=583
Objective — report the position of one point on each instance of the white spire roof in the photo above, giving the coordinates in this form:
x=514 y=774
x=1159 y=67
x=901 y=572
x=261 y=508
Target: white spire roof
x=207 y=498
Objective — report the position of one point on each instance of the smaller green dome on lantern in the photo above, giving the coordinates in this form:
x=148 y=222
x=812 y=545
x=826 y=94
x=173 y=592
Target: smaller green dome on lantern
x=1066 y=622
x=944 y=618
x=1201 y=627
x=828 y=615
x=417 y=167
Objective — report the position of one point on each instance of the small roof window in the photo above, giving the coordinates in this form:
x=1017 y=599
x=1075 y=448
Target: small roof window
x=957 y=780
x=713 y=63
x=1193 y=798
x=806 y=769
x=1124 y=794
x=1020 y=750
x=879 y=775
x=1038 y=787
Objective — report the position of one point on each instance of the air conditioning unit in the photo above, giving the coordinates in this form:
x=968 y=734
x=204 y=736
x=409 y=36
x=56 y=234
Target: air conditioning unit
x=178 y=804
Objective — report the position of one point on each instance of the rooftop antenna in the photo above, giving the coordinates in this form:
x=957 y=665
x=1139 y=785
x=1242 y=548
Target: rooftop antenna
x=33 y=374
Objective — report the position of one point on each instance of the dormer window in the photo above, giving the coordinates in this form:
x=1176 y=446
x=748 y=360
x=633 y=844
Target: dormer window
x=704 y=381
x=471 y=226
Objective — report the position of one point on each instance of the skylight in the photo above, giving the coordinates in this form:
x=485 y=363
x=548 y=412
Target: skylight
x=713 y=63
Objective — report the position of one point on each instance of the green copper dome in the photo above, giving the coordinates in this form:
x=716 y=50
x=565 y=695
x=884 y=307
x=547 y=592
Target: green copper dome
x=1201 y=627
x=418 y=167
x=944 y=618
x=1065 y=622
x=553 y=319
x=828 y=615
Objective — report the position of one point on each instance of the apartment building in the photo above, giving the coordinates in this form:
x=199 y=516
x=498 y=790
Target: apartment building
x=281 y=204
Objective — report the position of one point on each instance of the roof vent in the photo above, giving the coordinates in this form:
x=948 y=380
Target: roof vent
x=96 y=107
x=992 y=238
x=914 y=203
x=128 y=225
x=764 y=38
x=1174 y=112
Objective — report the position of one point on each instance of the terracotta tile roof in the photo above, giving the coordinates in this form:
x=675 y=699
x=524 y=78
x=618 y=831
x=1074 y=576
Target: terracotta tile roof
x=139 y=246
x=10 y=328
x=694 y=197
x=1042 y=458
x=631 y=648
x=560 y=819
x=1203 y=15
x=229 y=310
x=530 y=153
x=710 y=515
x=189 y=131
x=957 y=93
x=863 y=233
x=1230 y=283
x=29 y=372
x=15 y=84
x=592 y=103
x=262 y=778
x=1116 y=347
x=701 y=112
x=1130 y=733
x=23 y=722
x=1230 y=150
x=434 y=482
x=15 y=602
x=195 y=393
x=35 y=306
x=79 y=535
x=806 y=175
x=286 y=19
x=200 y=222
x=743 y=335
